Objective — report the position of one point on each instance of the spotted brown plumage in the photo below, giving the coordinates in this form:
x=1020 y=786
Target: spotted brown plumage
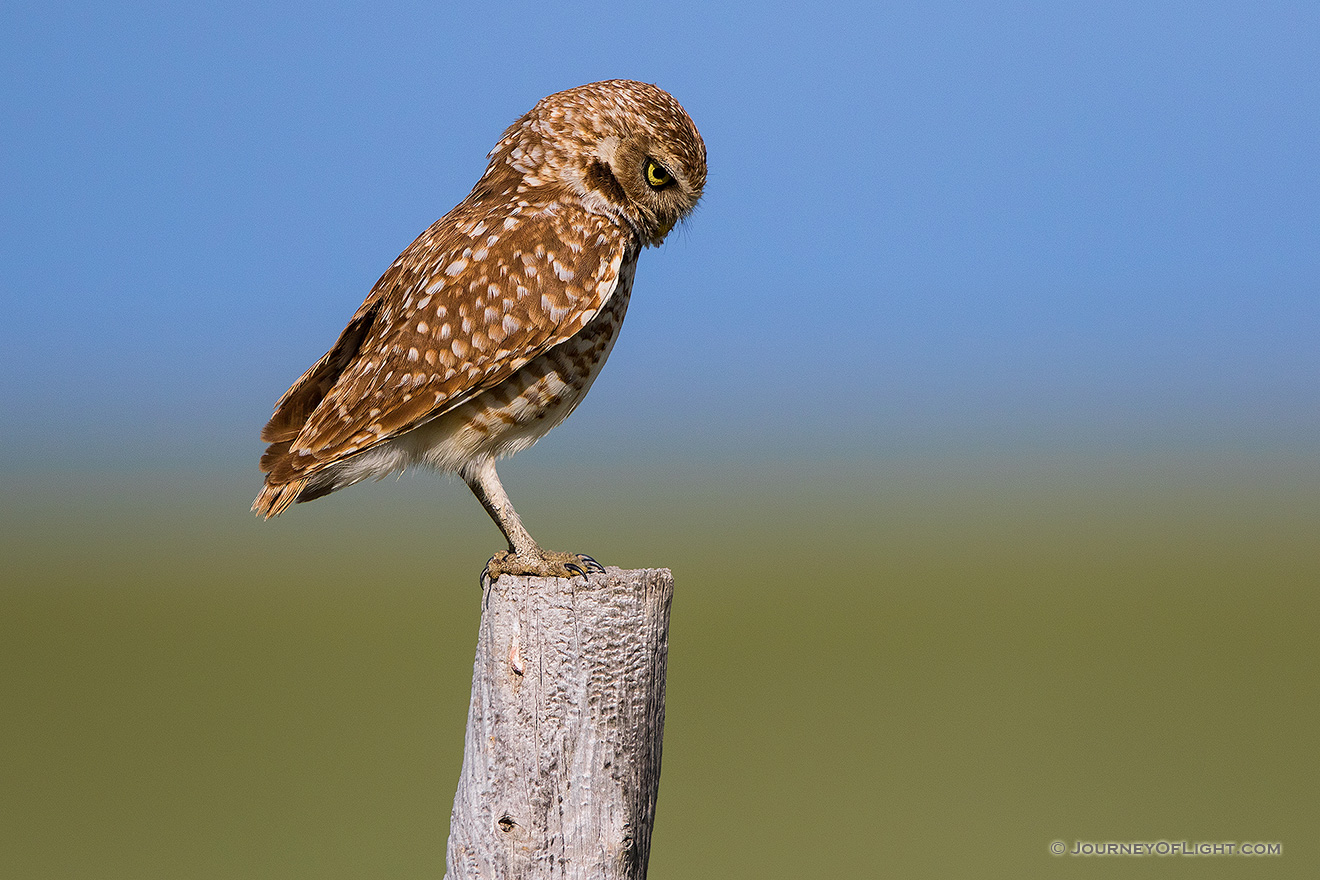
x=491 y=326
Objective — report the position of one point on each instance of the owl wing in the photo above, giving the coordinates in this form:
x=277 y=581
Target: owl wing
x=465 y=306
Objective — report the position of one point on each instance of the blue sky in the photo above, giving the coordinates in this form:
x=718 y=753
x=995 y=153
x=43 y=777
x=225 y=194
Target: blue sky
x=964 y=224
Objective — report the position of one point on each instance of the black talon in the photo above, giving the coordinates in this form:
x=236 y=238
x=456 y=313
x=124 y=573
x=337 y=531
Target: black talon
x=571 y=567
x=485 y=581
x=592 y=565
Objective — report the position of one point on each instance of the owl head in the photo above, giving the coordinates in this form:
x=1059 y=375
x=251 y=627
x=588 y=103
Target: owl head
x=622 y=148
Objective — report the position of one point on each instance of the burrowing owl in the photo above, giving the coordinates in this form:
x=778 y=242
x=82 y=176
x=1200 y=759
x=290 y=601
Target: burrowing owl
x=489 y=328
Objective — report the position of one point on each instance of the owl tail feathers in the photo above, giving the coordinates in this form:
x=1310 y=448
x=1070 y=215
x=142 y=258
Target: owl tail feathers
x=274 y=499
x=284 y=483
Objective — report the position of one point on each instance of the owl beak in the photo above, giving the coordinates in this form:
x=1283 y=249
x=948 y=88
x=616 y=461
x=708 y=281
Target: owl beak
x=664 y=230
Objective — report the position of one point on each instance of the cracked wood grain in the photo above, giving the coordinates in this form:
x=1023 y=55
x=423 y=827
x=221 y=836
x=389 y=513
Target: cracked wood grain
x=561 y=762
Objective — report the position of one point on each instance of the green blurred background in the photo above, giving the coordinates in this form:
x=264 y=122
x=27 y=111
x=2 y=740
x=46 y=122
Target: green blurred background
x=976 y=410
x=878 y=667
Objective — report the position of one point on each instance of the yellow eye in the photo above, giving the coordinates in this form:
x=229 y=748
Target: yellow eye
x=656 y=175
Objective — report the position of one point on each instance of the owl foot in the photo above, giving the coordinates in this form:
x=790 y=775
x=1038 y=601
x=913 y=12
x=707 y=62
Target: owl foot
x=547 y=564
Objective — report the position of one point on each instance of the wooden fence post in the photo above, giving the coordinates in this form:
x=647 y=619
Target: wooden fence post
x=561 y=763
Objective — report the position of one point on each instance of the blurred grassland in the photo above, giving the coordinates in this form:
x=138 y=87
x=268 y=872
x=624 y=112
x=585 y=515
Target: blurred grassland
x=889 y=669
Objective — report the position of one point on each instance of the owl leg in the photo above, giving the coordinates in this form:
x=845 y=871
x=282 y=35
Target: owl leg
x=485 y=484
x=525 y=556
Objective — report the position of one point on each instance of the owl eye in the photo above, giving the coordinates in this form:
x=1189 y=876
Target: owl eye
x=656 y=175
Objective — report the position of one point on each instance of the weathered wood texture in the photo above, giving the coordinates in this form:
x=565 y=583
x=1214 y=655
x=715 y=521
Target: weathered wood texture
x=561 y=763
